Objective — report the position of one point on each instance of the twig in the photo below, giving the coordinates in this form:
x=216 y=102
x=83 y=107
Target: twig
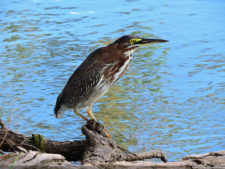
x=30 y=147
x=6 y=156
x=2 y=152
x=6 y=132
x=128 y=153
x=2 y=124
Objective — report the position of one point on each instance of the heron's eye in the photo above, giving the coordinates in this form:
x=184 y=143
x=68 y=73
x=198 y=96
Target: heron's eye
x=132 y=41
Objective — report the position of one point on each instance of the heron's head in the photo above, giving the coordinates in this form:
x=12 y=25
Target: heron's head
x=129 y=42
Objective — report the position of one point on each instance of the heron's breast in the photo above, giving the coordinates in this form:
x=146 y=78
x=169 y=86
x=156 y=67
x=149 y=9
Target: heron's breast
x=117 y=69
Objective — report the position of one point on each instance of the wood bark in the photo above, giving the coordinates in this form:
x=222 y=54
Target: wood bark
x=96 y=148
x=96 y=152
x=26 y=159
x=72 y=150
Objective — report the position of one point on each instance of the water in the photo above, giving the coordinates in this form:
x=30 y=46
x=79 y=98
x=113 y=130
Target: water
x=172 y=97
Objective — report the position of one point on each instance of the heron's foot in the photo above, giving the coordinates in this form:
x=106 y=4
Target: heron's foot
x=102 y=149
x=91 y=115
x=96 y=126
x=108 y=134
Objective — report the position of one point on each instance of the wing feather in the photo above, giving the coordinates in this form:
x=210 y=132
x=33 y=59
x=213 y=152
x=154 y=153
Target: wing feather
x=84 y=79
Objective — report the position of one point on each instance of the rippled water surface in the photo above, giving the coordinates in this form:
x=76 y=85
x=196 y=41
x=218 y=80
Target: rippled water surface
x=171 y=98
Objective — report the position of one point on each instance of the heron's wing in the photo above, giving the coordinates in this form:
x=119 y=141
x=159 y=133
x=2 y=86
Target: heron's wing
x=77 y=86
x=84 y=79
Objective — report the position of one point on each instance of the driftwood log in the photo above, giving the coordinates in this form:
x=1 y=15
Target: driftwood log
x=26 y=159
x=97 y=151
x=10 y=140
x=96 y=148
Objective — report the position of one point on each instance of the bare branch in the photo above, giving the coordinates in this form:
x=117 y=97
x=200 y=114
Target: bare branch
x=6 y=132
x=2 y=124
x=149 y=155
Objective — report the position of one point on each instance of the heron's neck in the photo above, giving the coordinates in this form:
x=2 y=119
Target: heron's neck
x=129 y=53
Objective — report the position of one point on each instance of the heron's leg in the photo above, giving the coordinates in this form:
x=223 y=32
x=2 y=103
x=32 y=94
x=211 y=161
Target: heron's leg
x=80 y=115
x=90 y=113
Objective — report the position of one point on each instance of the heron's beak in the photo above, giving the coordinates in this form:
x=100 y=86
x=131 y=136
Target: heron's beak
x=148 y=41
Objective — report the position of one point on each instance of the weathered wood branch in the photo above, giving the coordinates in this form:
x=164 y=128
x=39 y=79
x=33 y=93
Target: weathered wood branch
x=26 y=158
x=213 y=160
x=23 y=159
x=96 y=148
x=101 y=149
x=98 y=151
x=72 y=150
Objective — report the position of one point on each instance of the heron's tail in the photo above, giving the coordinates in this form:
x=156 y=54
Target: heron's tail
x=59 y=107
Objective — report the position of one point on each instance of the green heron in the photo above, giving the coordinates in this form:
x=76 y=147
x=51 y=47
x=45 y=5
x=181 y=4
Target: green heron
x=93 y=78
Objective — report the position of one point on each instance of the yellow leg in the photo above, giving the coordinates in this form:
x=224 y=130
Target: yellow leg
x=80 y=115
x=90 y=113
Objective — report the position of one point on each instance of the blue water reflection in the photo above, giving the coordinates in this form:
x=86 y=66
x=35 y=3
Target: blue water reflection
x=172 y=97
